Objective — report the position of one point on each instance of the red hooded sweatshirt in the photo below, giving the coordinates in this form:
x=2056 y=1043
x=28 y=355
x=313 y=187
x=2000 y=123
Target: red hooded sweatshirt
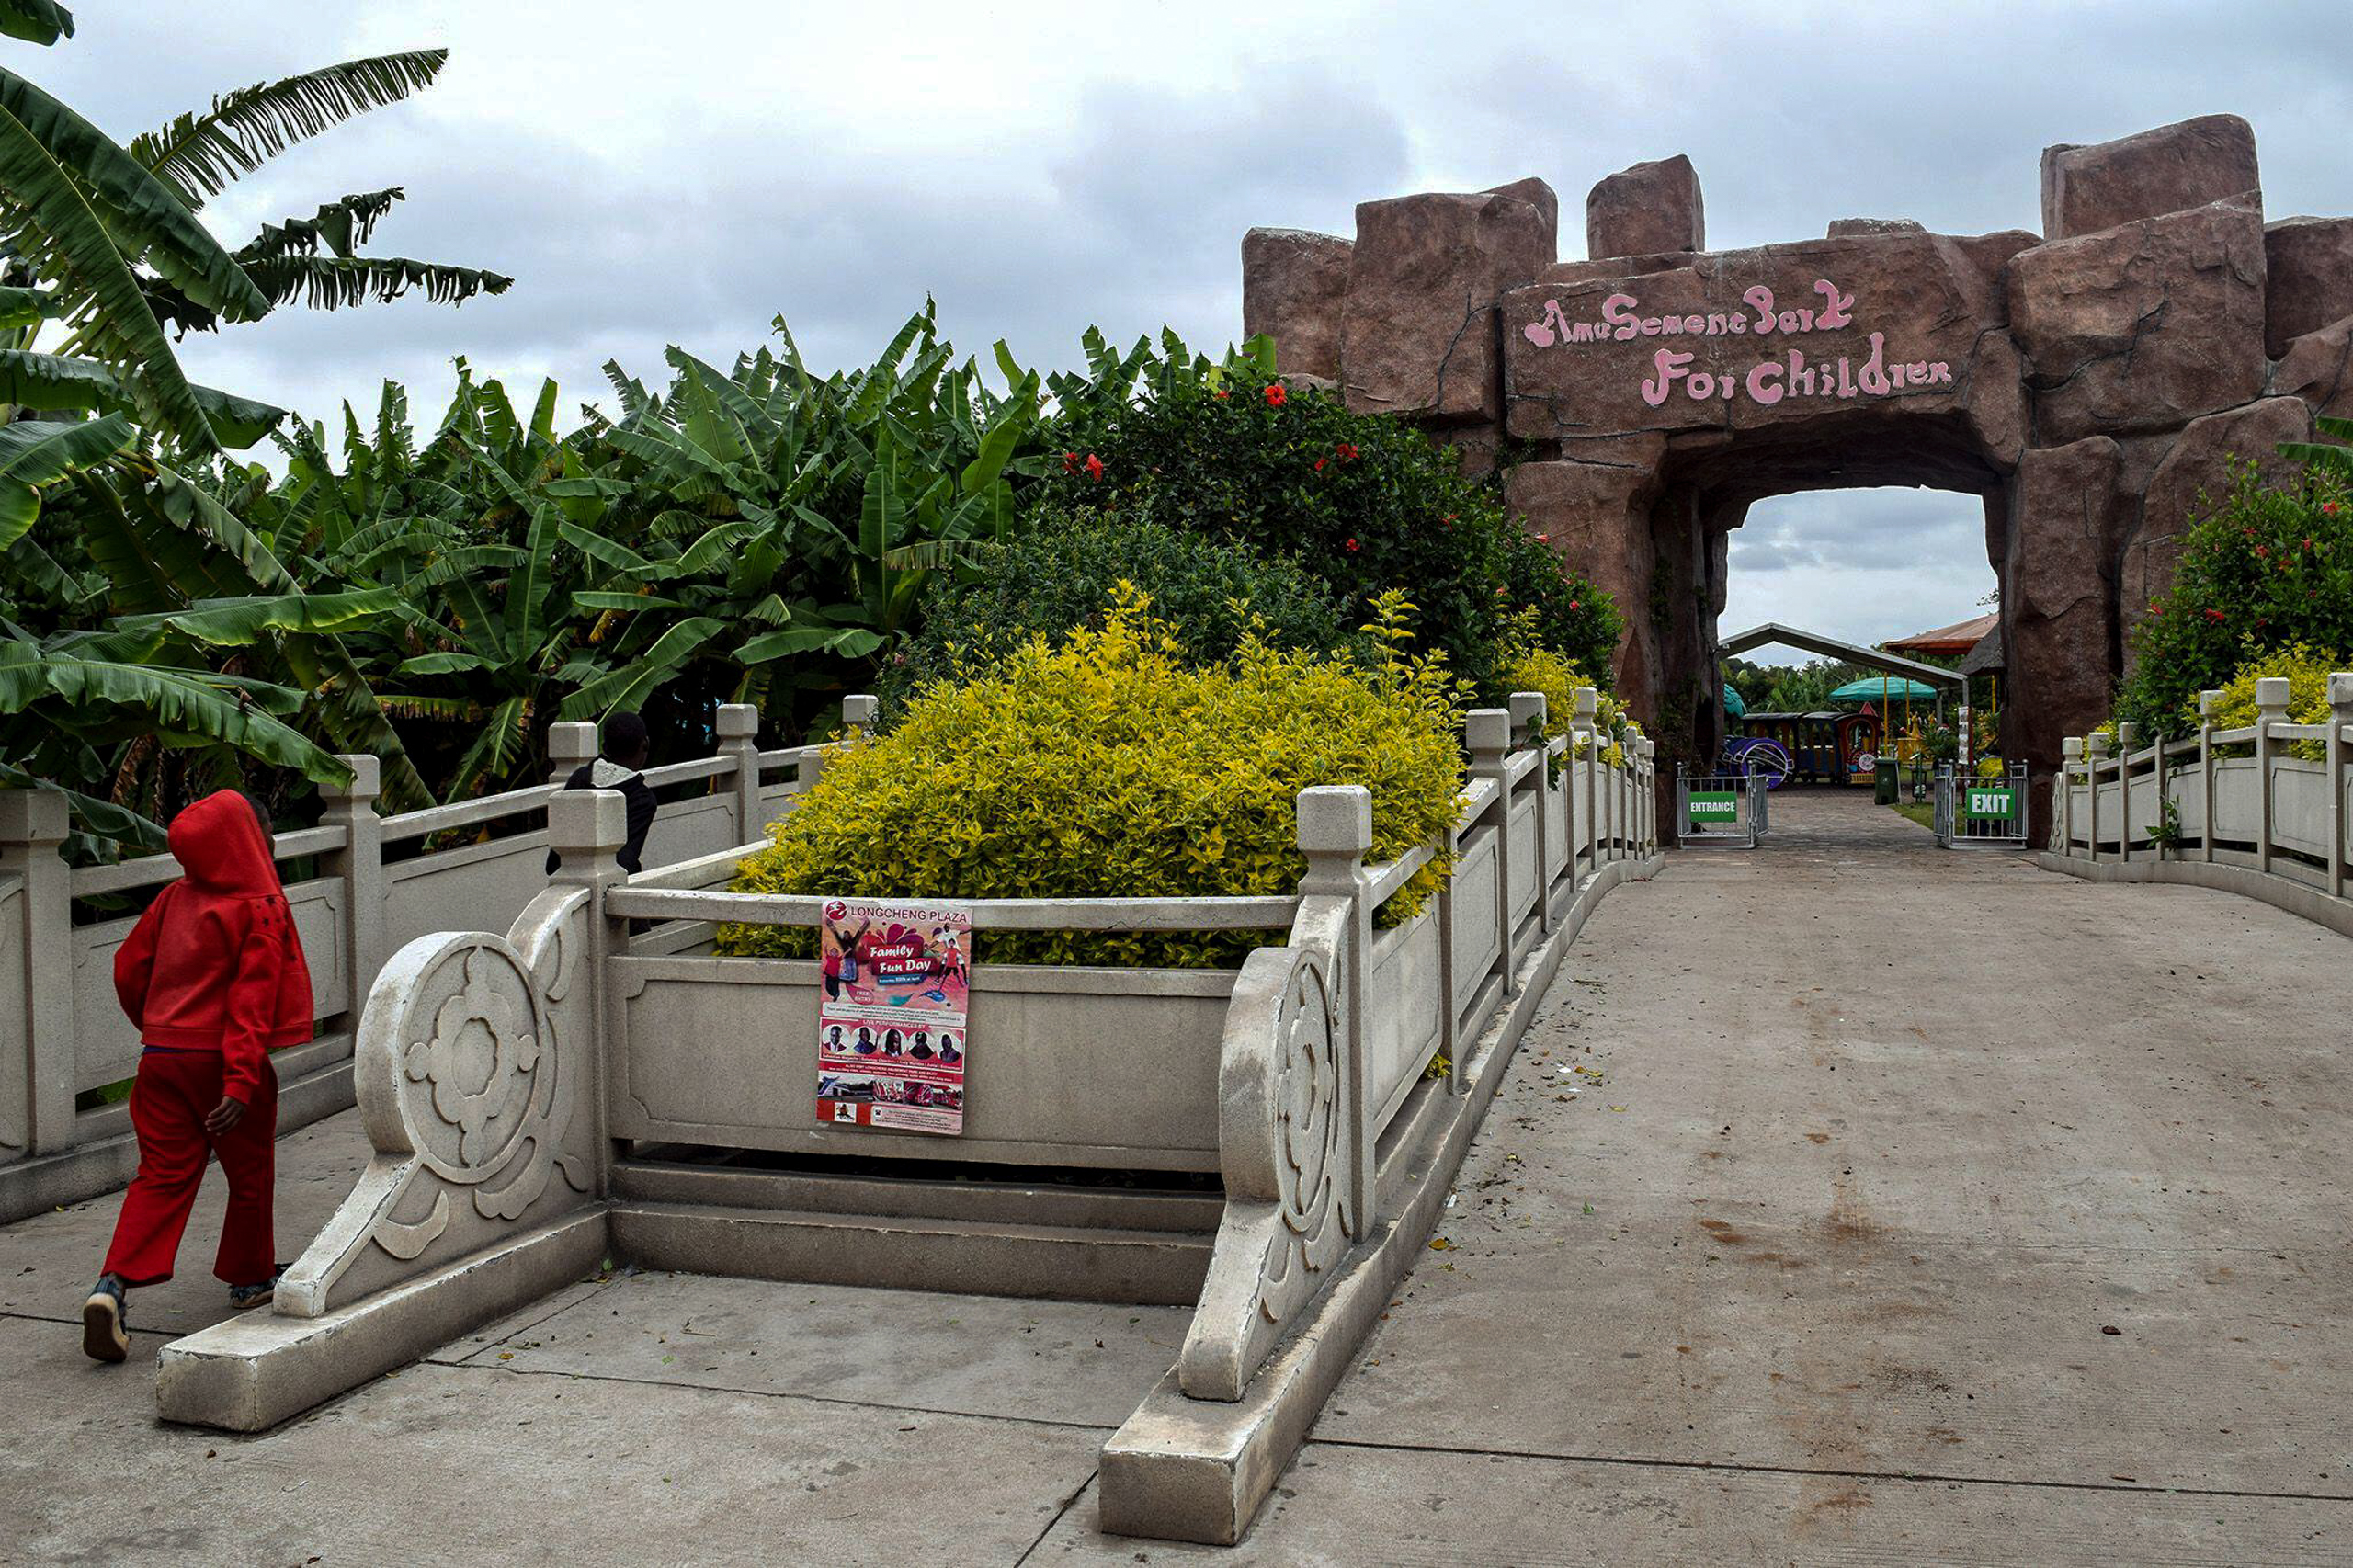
x=215 y=964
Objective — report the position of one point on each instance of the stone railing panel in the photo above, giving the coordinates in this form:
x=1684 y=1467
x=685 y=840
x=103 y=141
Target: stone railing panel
x=2261 y=808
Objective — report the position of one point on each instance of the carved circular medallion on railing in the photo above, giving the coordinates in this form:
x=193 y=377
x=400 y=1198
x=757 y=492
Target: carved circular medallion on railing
x=477 y=1059
x=1307 y=1098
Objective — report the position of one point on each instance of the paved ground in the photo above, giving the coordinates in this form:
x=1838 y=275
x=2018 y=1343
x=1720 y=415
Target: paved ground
x=1816 y=1262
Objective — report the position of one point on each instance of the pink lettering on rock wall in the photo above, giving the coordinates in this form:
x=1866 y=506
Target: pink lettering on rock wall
x=1621 y=320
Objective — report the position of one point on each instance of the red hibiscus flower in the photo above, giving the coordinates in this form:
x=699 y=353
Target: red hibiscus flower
x=1094 y=466
x=2263 y=549
x=2215 y=615
x=1277 y=396
x=1352 y=545
x=2328 y=509
x=1575 y=604
x=1223 y=395
x=1348 y=452
x=1069 y=462
x=1319 y=465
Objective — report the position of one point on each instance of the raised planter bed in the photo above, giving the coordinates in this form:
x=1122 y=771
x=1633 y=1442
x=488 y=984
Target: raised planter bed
x=594 y=1064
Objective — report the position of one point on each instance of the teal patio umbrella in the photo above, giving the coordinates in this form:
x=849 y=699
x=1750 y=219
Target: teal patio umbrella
x=1894 y=689
x=1733 y=707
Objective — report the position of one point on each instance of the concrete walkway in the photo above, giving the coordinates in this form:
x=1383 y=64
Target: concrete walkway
x=1815 y=1260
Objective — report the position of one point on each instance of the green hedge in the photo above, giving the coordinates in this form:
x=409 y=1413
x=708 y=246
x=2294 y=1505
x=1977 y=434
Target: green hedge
x=1069 y=569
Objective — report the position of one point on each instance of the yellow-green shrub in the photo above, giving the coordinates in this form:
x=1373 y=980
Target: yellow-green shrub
x=1528 y=666
x=2307 y=671
x=1107 y=767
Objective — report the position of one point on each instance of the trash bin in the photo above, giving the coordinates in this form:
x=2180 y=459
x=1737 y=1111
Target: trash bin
x=1883 y=779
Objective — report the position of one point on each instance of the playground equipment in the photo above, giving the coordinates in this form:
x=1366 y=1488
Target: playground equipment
x=1755 y=757
x=1822 y=747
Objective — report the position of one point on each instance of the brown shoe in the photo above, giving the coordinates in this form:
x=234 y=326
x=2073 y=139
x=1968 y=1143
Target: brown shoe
x=102 y=1320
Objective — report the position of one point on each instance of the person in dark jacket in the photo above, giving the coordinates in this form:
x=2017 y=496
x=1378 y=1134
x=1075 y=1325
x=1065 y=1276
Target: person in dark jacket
x=213 y=979
x=621 y=766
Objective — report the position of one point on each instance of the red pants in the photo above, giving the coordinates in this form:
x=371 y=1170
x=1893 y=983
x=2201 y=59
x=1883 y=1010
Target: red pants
x=174 y=1092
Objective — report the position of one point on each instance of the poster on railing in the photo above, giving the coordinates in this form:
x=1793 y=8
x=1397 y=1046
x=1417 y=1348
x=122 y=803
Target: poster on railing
x=891 y=1044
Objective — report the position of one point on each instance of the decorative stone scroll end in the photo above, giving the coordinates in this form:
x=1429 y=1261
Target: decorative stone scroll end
x=466 y=1073
x=1284 y=1144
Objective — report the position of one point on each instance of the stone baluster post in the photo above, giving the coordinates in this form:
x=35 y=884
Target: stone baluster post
x=1528 y=709
x=1636 y=791
x=2340 y=776
x=37 y=1074
x=2096 y=747
x=358 y=865
x=1335 y=834
x=738 y=725
x=570 y=744
x=1605 y=793
x=587 y=828
x=1650 y=795
x=2128 y=736
x=2163 y=778
x=2271 y=694
x=2071 y=752
x=1488 y=734
x=2206 y=700
x=1621 y=810
x=1584 y=749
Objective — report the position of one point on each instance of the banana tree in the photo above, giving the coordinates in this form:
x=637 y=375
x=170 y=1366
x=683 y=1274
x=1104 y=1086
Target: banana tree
x=500 y=648
x=2333 y=456
x=802 y=514
x=105 y=245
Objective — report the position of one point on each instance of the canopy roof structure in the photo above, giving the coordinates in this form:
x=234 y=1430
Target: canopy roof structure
x=1892 y=688
x=1947 y=641
x=1831 y=648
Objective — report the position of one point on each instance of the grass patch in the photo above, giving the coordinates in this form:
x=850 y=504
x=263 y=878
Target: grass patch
x=1922 y=811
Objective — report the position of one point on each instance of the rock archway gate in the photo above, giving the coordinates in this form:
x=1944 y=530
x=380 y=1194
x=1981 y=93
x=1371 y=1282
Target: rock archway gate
x=2087 y=382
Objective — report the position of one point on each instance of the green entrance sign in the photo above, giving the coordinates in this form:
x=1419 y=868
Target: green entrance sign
x=2002 y=803
x=1715 y=805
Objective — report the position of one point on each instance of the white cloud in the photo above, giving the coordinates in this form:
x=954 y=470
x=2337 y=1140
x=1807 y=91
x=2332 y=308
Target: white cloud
x=1859 y=565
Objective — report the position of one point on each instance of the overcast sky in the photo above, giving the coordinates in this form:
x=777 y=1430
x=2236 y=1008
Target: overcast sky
x=684 y=174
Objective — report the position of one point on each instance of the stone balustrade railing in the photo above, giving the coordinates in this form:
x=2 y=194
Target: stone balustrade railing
x=360 y=886
x=2262 y=808
x=525 y=1092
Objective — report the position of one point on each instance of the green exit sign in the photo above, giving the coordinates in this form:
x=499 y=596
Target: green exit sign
x=2000 y=803
x=1715 y=806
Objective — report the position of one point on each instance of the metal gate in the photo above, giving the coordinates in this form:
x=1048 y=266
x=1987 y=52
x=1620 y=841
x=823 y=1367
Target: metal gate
x=1726 y=810
x=1975 y=810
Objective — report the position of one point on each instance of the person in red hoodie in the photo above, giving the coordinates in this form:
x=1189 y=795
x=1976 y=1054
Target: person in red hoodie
x=213 y=978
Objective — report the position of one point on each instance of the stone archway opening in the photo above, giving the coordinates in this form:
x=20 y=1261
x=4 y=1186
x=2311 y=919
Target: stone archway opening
x=1705 y=499
x=1822 y=576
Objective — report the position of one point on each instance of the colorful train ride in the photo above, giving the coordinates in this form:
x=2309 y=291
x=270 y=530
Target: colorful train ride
x=1822 y=747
